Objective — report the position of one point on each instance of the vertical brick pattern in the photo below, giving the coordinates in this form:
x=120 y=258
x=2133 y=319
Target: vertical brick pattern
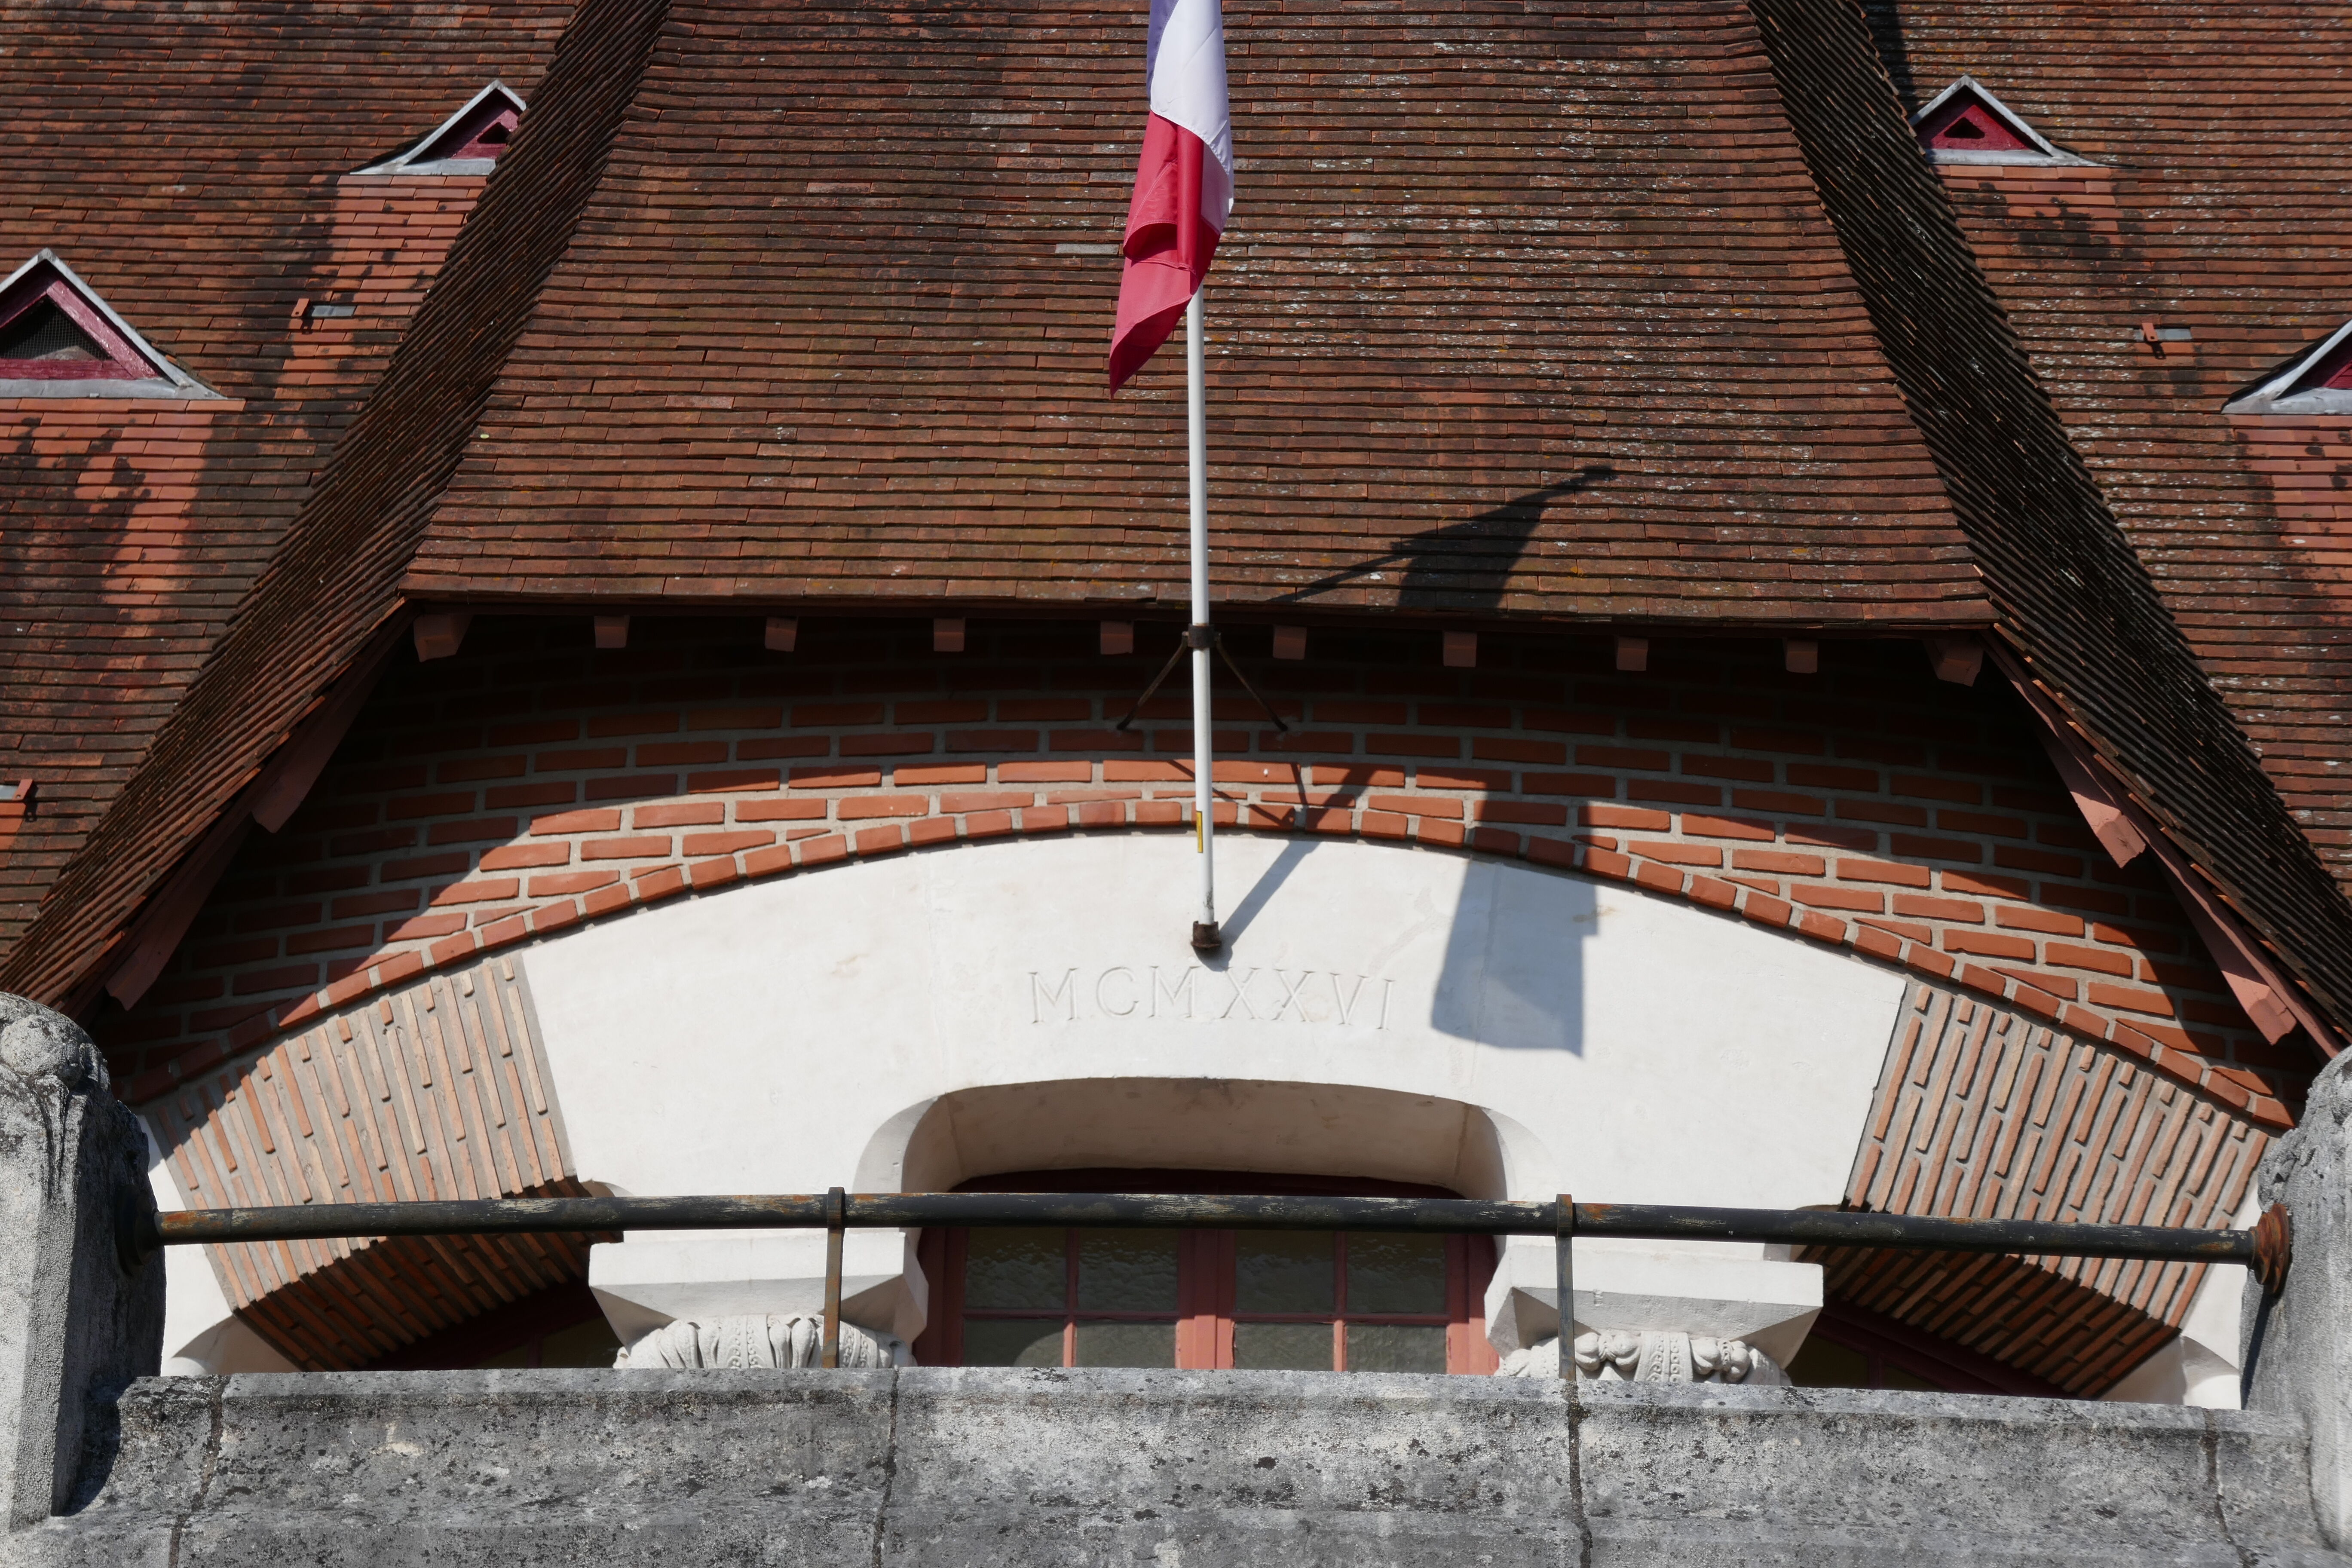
x=533 y=782
x=433 y=1090
x=1984 y=1112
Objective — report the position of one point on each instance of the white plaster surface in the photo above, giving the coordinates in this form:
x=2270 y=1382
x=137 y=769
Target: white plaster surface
x=795 y=1033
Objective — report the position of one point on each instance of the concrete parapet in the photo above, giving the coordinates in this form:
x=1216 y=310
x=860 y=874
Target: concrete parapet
x=924 y=1467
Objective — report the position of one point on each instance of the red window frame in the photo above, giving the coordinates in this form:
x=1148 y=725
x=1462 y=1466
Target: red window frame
x=1205 y=1313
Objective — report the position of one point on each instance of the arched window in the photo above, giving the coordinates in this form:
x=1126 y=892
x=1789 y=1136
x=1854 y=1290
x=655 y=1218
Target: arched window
x=1297 y=1300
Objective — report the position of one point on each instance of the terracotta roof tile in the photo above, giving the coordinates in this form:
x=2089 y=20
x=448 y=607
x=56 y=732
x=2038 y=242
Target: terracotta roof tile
x=1512 y=318
x=1662 y=322
x=187 y=166
x=2217 y=207
x=328 y=583
x=2077 y=603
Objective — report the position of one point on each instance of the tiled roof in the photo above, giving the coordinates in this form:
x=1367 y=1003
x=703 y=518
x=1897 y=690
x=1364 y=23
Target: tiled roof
x=185 y=164
x=330 y=586
x=2216 y=212
x=2077 y=603
x=1511 y=318
x=1660 y=321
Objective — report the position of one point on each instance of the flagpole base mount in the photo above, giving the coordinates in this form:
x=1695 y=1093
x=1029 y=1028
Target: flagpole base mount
x=1206 y=937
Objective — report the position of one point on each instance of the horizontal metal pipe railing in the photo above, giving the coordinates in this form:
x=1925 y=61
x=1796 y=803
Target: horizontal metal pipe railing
x=2266 y=1248
x=1476 y=1216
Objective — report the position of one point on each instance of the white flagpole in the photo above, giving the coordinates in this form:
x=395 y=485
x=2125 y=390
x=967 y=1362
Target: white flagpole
x=1205 y=935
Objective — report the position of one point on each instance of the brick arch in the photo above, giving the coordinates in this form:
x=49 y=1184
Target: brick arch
x=1869 y=808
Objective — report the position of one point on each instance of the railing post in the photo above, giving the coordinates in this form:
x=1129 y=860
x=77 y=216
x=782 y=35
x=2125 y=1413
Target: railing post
x=1563 y=1247
x=836 y=1220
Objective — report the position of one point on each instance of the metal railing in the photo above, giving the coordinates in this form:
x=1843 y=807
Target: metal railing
x=2267 y=1249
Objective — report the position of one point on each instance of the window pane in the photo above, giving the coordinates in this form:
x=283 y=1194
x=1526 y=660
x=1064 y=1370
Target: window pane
x=1284 y=1347
x=1284 y=1271
x=1396 y=1274
x=1396 y=1347
x=1126 y=1344
x=1011 y=1342
x=1127 y=1271
x=1014 y=1269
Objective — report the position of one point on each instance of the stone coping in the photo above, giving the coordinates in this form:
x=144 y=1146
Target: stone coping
x=1184 y=1470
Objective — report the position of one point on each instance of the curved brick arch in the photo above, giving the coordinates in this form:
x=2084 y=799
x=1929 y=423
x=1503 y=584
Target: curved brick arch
x=1824 y=811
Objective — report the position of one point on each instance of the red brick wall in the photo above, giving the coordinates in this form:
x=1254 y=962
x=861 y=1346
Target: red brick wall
x=532 y=782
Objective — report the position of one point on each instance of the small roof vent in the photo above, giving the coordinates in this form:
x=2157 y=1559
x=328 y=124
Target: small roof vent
x=468 y=143
x=2317 y=379
x=58 y=339
x=1965 y=124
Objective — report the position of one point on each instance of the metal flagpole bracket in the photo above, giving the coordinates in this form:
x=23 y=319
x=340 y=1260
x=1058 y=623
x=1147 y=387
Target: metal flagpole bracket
x=836 y=1220
x=1199 y=638
x=1264 y=706
x=1182 y=645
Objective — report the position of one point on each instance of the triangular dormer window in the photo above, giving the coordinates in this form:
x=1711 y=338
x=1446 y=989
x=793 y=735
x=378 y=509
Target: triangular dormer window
x=1965 y=124
x=467 y=143
x=58 y=339
x=2317 y=379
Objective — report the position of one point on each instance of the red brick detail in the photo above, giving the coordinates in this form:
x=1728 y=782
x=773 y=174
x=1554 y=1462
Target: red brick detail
x=1765 y=860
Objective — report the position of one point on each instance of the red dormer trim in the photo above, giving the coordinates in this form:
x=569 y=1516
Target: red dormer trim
x=45 y=285
x=1965 y=125
x=468 y=141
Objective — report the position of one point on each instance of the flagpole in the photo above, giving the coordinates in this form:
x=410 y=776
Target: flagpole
x=1205 y=935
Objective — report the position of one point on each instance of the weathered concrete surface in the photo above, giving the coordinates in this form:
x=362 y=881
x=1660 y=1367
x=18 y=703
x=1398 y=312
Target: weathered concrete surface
x=2294 y=1349
x=945 y=1467
x=1698 y=1475
x=75 y=1328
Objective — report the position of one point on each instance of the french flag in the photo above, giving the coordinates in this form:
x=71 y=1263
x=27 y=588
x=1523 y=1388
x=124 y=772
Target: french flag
x=1183 y=182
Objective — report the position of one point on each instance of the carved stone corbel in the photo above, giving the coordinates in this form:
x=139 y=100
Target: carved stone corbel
x=1650 y=1355
x=758 y=1339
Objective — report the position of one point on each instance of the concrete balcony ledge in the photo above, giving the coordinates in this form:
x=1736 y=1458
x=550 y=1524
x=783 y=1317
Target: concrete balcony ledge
x=1169 y=1470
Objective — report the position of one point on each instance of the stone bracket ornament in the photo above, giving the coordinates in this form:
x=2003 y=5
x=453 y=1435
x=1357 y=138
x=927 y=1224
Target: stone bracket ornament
x=1650 y=1355
x=759 y=1340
